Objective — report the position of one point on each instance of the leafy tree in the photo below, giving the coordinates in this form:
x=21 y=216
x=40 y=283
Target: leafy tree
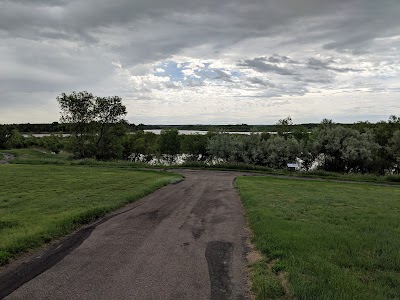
x=253 y=149
x=96 y=124
x=15 y=140
x=78 y=110
x=359 y=151
x=329 y=142
x=279 y=151
x=109 y=113
x=53 y=143
x=284 y=126
x=345 y=149
x=169 y=143
x=394 y=150
x=307 y=153
x=4 y=134
x=195 y=145
x=134 y=145
x=111 y=145
x=227 y=147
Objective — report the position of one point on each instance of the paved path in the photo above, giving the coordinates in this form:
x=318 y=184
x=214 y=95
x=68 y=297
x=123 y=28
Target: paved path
x=185 y=241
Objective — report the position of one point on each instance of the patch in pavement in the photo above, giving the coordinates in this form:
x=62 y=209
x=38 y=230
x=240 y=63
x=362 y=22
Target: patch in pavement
x=12 y=280
x=219 y=260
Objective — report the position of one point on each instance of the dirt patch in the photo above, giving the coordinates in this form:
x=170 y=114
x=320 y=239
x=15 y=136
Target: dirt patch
x=282 y=276
x=5 y=158
x=252 y=256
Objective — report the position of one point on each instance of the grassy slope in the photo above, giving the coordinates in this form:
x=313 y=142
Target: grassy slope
x=37 y=156
x=332 y=240
x=39 y=203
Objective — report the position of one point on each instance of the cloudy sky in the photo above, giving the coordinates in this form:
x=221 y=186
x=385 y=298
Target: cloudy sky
x=209 y=62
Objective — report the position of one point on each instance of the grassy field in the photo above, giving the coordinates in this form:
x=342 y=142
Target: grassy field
x=323 y=240
x=43 y=202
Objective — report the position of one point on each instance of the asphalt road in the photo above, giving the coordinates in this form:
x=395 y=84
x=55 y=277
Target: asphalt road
x=185 y=241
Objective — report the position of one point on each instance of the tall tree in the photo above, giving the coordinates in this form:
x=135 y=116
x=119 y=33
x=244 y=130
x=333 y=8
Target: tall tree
x=96 y=124
x=78 y=111
x=109 y=111
x=284 y=126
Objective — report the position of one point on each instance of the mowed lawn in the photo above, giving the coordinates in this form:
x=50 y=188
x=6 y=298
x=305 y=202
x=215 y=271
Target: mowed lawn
x=42 y=202
x=323 y=240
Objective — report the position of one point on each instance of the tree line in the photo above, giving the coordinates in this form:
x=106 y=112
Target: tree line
x=98 y=130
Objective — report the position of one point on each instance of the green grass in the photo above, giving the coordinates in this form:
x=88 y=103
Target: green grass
x=42 y=202
x=40 y=156
x=317 y=174
x=33 y=156
x=331 y=240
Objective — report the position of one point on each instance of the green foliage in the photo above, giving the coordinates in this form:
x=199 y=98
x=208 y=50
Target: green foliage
x=195 y=145
x=96 y=124
x=334 y=240
x=109 y=112
x=227 y=147
x=345 y=149
x=279 y=151
x=98 y=131
x=40 y=203
x=140 y=143
x=394 y=150
x=169 y=142
x=53 y=143
x=284 y=126
x=15 y=140
x=3 y=136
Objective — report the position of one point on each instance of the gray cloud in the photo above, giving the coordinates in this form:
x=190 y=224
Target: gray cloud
x=261 y=82
x=275 y=47
x=317 y=64
x=262 y=65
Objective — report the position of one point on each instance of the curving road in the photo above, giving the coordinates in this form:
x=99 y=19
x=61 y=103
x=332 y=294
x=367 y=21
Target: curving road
x=185 y=241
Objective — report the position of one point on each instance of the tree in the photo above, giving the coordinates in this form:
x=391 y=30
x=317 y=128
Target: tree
x=109 y=114
x=4 y=134
x=329 y=142
x=253 y=148
x=345 y=149
x=279 y=151
x=195 y=145
x=96 y=124
x=308 y=154
x=227 y=147
x=359 y=151
x=284 y=126
x=394 y=150
x=169 y=143
x=78 y=111
x=54 y=143
x=15 y=140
